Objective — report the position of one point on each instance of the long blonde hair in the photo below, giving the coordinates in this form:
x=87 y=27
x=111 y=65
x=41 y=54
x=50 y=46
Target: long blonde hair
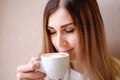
x=91 y=55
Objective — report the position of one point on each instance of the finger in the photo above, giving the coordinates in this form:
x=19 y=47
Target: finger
x=37 y=58
x=29 y=67
x=32 y=60
x=30 y=75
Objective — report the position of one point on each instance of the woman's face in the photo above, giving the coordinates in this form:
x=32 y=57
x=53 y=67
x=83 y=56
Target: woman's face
x=62 y=32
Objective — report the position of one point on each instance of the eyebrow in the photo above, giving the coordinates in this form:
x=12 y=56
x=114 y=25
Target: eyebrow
x=65 y=25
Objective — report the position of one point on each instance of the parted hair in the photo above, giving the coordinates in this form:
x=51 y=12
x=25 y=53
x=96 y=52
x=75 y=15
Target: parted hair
x=91 y=54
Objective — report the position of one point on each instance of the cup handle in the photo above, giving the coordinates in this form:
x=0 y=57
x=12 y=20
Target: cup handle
x=41 y=68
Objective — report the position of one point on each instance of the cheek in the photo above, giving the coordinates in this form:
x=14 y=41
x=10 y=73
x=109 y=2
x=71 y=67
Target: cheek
x=53 y=40
x=72 y=40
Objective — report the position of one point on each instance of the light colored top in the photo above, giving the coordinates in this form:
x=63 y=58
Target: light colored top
x=73 y=75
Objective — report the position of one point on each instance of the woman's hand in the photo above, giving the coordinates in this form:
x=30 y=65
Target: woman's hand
x=28 y=71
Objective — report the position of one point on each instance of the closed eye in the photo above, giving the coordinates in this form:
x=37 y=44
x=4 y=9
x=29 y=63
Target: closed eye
x=70 y=31
x=51 y=31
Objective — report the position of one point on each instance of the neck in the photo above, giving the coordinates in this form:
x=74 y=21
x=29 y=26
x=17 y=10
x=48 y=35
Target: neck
x=74 y=66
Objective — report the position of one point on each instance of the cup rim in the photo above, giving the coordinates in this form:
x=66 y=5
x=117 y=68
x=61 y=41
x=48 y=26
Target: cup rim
x=66 y=54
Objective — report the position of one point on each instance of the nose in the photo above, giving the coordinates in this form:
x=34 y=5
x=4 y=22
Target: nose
x=61 y=40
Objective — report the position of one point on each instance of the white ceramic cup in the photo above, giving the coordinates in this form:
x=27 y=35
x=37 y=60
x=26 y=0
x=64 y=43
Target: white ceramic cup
x=55 y=65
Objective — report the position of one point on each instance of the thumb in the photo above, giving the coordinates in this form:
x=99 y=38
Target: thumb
x=37 y=58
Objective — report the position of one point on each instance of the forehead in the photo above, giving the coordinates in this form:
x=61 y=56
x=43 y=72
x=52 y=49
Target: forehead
x=60 y=17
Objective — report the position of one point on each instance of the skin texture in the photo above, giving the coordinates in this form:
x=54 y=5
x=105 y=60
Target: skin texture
x=62 y=32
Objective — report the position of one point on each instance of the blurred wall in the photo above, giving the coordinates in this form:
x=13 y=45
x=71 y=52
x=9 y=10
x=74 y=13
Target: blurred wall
x=20 y=34
x=110 y=10
x=21 y=31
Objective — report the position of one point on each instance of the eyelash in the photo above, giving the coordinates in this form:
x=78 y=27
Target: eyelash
x=67 y=31
x=52 y=33
x=70 y=31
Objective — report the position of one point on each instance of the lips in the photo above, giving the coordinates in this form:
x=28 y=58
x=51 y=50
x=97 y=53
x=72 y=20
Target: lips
x=67 y=51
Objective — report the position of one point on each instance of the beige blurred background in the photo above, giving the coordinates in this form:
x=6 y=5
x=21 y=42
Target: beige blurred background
x=21 y=31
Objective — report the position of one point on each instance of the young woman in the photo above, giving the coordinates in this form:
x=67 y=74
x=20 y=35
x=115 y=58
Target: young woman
x=75 y=27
